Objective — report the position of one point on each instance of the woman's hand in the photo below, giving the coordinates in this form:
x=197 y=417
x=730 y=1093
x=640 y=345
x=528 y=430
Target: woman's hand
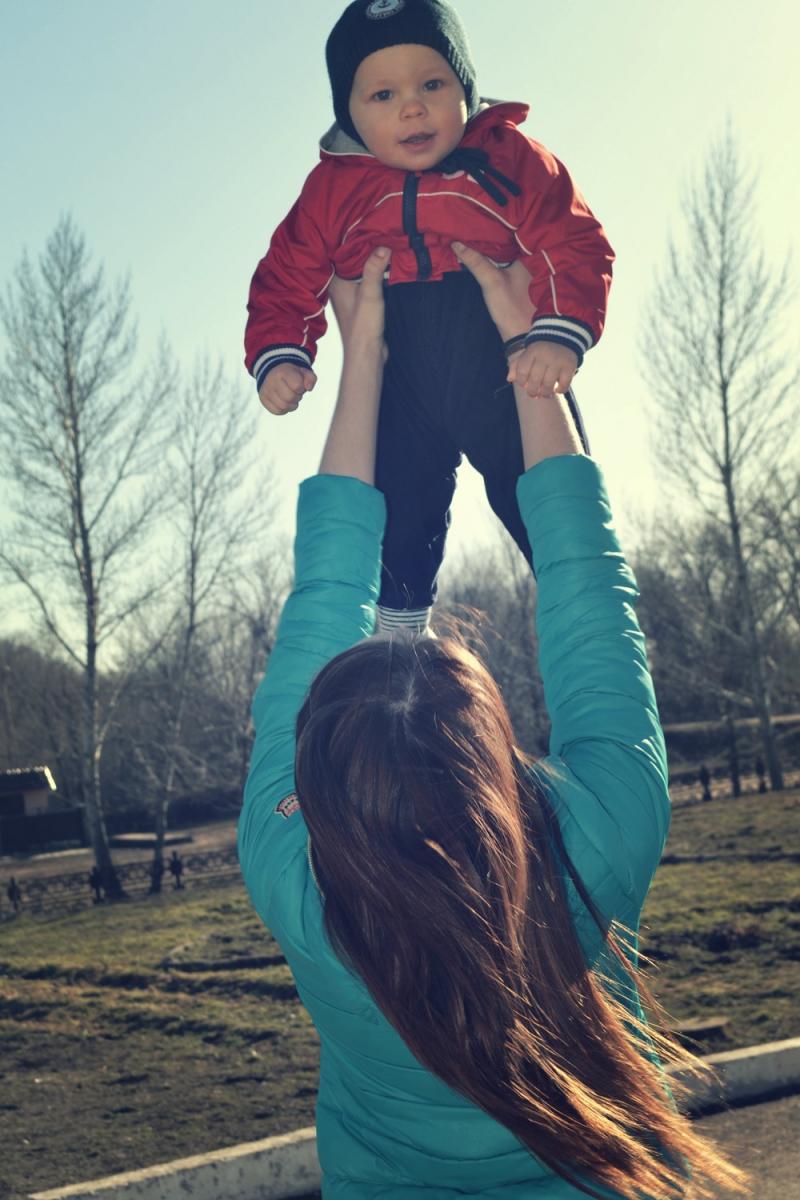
x=547 y=428
x=505 y=291
x=539 y=369
x=358 y=306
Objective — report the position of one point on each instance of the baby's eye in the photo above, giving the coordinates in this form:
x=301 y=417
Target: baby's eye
x=384 y=94
x=433 y=85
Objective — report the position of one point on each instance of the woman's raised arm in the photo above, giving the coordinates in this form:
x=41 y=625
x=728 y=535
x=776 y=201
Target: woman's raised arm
x=340 y=523
x=606 y=741
x=359 y=309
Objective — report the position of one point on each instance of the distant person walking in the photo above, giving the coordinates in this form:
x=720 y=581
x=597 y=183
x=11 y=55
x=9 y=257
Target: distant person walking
x=14 y=894
x=176 y=869
x=96 y=884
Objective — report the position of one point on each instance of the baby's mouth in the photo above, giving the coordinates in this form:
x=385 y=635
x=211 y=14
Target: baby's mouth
x=418 y=139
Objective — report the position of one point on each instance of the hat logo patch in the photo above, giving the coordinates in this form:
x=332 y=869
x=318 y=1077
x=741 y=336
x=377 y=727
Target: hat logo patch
x=384 y=8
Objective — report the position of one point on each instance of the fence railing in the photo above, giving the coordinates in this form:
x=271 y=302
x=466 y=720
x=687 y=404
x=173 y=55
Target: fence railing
x=688 y=792
x=72 y=892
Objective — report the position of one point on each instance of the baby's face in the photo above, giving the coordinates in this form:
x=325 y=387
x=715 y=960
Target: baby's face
x=408 y=106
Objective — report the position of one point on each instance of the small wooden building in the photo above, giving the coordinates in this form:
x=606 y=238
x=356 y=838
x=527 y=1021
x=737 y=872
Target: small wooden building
x=33 y=815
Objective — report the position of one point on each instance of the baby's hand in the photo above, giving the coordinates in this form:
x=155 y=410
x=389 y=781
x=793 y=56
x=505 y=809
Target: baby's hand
x=543 y=368
x=284 y=388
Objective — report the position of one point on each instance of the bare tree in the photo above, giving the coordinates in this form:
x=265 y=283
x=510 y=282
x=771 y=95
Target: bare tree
x=222 y=510
x=212 y=745
x=778 y=533
x=81 y=436
x=726 y=394
x=250 y=621
x=689 y=611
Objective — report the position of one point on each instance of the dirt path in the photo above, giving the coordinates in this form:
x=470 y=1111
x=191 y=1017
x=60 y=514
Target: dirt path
x=218 y=836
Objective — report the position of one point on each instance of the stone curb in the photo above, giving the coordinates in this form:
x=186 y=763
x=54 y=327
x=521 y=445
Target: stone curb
x=271 y=1169
x=279 y=1168
x=743 y=1075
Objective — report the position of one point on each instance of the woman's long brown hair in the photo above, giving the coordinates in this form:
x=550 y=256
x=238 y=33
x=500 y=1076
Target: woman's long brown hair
x=438 y=857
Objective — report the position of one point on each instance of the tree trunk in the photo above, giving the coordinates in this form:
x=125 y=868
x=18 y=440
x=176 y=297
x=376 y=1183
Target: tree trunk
x=733 y=753
x=162 y=817
x=760 y=686
x=7 y=720
x=163 y=803
x=90 y=779
x=162 y=822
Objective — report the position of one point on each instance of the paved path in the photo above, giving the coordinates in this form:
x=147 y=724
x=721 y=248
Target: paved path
x=762 y=1138
x=765 y=1140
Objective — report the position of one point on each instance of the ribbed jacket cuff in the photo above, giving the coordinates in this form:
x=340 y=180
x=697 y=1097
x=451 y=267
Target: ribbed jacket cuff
x=565 y=331
x=271 y=356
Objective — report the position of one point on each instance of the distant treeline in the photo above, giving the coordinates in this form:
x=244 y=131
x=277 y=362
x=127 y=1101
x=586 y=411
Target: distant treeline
x=491 y=605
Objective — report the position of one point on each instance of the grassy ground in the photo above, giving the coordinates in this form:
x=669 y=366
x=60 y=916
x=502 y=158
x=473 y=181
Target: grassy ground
x=135 y=1034
x=725 y=936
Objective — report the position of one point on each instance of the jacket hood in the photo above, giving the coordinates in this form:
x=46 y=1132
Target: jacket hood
x=338 y=144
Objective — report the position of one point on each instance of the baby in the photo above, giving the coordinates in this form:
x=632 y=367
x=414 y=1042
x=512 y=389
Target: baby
x=416 y=161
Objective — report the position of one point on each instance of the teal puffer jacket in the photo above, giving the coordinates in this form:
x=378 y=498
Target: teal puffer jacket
x=387 y=1127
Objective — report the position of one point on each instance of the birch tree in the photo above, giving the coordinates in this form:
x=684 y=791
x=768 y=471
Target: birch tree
x=81 y=432
x=725 y=390
x=221 y=513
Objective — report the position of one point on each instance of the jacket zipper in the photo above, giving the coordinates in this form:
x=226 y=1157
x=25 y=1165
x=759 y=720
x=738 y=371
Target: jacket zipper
x=416 y=240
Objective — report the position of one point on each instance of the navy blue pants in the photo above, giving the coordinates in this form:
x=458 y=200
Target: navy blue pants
x=444 y=393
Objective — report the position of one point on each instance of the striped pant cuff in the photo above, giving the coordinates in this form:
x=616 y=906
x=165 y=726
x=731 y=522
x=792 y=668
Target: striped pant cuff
x=402 y=620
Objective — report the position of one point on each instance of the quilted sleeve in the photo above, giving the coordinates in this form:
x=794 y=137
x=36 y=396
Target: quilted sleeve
x=288 y=292
x=606 y=743
x=331 y=607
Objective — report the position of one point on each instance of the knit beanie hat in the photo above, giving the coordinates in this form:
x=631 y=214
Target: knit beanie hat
x=369 y=25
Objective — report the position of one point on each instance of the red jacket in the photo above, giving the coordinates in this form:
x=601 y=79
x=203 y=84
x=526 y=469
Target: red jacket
x=351 y=203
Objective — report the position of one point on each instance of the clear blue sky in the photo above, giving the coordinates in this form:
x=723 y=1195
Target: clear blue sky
x=179 y=132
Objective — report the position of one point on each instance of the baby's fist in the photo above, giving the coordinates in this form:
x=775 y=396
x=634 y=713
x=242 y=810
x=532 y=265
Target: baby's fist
x=543 y=368
x=284 y=388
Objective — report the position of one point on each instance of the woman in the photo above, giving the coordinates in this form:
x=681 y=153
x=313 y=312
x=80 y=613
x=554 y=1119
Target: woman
x=446 y=907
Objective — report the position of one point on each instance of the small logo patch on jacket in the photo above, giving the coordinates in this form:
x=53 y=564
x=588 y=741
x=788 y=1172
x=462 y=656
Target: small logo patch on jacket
x=288 y=806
